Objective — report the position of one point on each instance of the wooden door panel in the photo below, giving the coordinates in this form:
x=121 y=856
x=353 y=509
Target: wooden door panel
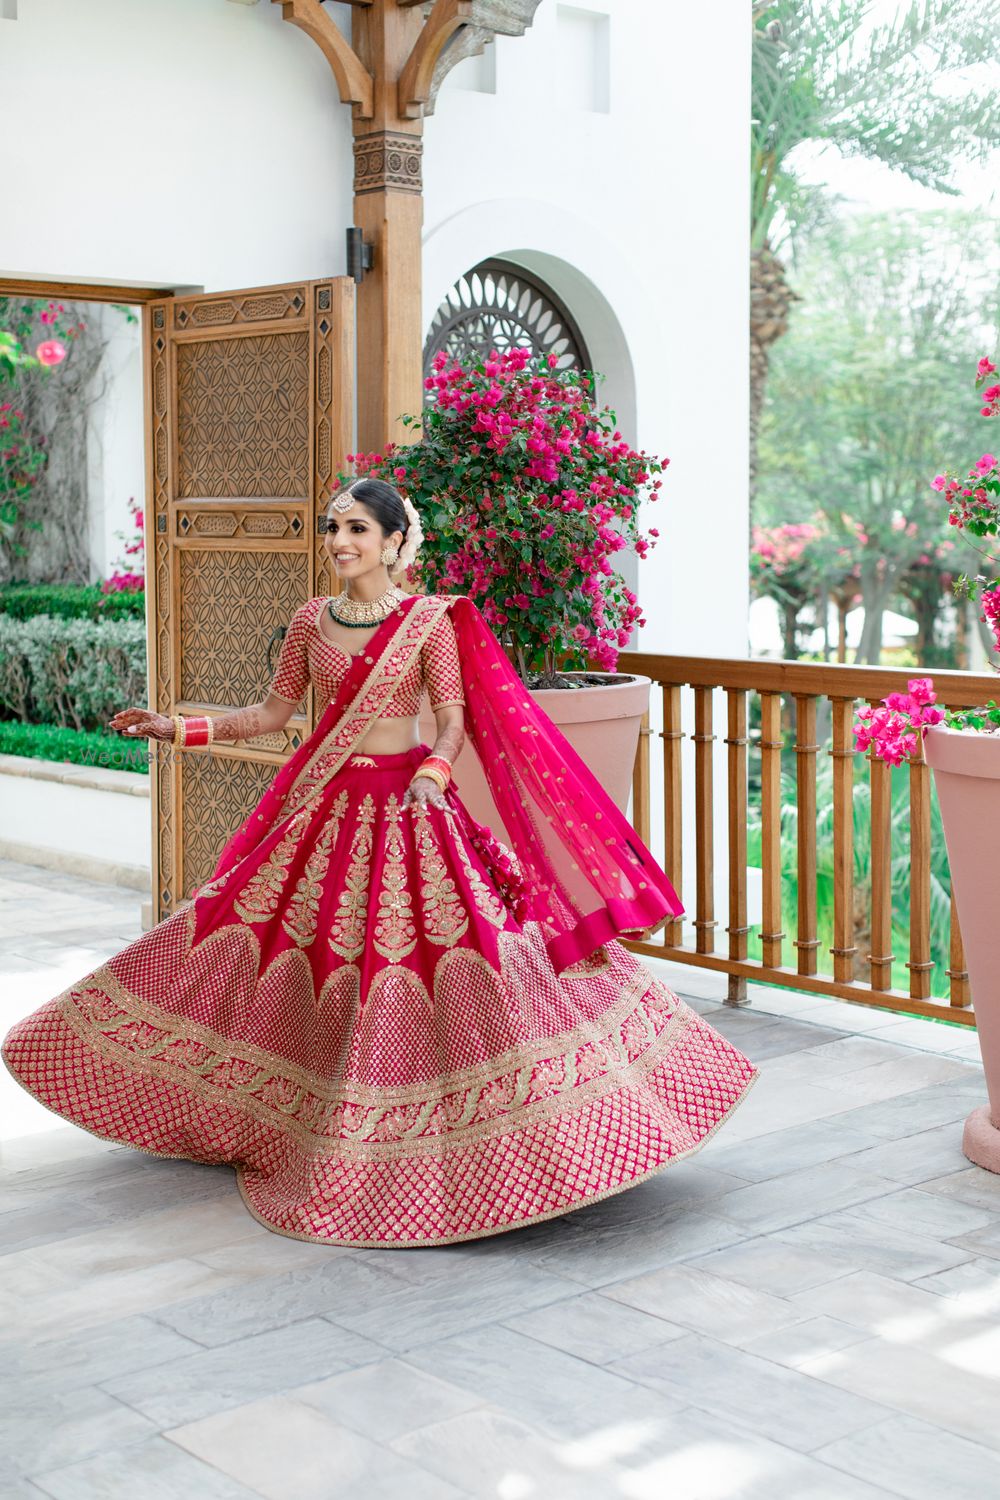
x=250 y=401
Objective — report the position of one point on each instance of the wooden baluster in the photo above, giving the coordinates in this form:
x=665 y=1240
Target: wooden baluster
x=919 y=964
x=842 y=751
x=673 y=862
x=640 y=782
x=770 y=793
x=703 y=737
x=880 y=957
x=738 y=927
x=806 y=750
x=958 y=974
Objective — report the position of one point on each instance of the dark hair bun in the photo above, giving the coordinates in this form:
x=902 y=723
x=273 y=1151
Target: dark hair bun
x=385 y=503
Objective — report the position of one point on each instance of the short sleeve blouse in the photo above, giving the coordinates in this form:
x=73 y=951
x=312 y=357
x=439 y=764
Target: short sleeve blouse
x=308 y=656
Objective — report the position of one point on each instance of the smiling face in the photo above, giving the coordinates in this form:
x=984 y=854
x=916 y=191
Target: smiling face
x=354 y=541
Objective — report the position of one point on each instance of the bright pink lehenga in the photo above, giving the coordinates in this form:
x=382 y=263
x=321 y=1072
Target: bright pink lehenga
x=360 y=1013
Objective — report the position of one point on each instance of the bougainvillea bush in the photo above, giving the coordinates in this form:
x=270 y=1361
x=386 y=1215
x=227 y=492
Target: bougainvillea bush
x=125 y=579
x=526 y=491
x=891 y=732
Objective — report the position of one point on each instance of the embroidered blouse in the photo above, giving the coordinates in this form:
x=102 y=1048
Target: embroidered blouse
x=308 y=656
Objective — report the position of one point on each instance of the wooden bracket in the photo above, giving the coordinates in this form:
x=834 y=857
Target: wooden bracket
x=355 y=83
x=414 y=87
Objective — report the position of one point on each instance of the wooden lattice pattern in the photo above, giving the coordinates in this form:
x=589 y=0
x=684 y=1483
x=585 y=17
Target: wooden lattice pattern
x=243 y=416
x=217 y=793
x=230 y=603
x=246 y=428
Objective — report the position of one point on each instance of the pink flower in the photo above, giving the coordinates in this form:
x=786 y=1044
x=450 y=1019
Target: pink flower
x=938 y=482
x=50 y=352
x=922 y=689
x=984 y=464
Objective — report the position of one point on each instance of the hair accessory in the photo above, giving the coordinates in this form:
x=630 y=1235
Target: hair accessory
x=411 y=542
x=345 y=501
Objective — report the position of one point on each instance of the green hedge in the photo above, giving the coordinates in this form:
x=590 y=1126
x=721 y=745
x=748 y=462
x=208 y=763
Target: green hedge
x=69 y=601
x=76 y=673
x=53 y=742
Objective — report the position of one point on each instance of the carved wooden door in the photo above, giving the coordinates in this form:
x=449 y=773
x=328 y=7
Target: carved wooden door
x=249 y=415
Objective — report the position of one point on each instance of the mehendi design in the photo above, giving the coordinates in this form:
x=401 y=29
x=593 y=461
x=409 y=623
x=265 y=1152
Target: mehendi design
x=241 y=724
x=449 y=742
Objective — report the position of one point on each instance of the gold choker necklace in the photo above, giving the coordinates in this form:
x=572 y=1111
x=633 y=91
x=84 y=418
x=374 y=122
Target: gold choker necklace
x=360 y=612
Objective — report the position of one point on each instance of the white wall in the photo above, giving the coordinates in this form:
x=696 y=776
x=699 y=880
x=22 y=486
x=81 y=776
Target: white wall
x=116 y=469
x=172 y=142
x=636 y=210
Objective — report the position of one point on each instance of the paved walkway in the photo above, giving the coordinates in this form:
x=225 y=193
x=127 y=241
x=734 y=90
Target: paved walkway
x=808 y=1309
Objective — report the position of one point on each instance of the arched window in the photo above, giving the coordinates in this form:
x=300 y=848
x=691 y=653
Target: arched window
x=497 y=305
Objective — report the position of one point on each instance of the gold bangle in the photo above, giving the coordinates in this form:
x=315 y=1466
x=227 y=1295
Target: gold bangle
x=210 y=722
x=178 y=739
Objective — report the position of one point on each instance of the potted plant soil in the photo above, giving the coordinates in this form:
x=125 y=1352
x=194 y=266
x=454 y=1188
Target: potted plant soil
x=963 y=749
x=526 y=490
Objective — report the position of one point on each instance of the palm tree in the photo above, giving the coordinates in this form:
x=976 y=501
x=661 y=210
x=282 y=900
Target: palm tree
x=904 y=93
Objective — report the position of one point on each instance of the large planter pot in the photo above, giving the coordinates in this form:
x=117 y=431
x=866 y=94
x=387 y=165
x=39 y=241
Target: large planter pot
x=601 y=722
x=967 y=776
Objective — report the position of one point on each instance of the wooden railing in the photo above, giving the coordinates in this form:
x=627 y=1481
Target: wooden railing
x=787 y=703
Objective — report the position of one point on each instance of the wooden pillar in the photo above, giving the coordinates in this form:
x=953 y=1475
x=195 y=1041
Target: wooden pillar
x=389 y=73
x=389 y=209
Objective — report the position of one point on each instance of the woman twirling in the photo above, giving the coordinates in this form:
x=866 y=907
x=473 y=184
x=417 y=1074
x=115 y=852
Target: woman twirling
x=398 y=1029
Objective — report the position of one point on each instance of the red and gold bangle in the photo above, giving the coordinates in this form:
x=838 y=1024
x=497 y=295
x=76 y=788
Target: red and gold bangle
x=193 y=733
x=433 y=774
x=438 y=763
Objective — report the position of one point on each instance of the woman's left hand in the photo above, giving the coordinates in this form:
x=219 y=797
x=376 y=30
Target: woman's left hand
x=422 y=789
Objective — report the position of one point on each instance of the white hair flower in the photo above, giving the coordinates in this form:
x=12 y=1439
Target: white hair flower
x=411 y=543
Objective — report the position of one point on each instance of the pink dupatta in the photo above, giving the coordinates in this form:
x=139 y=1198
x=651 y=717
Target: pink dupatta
x=587 y=876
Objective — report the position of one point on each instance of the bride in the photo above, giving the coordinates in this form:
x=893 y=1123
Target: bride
x=398 y=1029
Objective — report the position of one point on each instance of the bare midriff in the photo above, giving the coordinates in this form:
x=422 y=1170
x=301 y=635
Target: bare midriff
x=391 y=736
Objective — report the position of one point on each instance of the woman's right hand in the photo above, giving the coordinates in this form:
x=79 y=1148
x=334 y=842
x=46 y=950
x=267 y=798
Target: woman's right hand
x=141 y=721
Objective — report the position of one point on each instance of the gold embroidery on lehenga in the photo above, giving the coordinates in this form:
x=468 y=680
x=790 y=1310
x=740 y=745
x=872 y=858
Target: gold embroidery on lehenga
x=347 y=935
x=395 y=933
x=488 y=903
x=259 y=898
x=532 y=1082
x=444 y=913
x=300 y=919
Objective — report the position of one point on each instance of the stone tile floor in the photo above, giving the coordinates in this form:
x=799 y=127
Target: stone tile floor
x=809 y=1307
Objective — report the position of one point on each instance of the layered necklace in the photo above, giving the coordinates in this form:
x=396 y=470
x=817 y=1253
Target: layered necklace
x=358 y=613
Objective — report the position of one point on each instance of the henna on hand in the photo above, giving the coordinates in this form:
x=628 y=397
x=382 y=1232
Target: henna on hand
x=422 y=789
x=240 y=724
x=142 y=721
x=449 y=742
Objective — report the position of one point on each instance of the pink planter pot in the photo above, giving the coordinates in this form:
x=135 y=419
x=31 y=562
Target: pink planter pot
x=967 y=776
x=601 y=723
